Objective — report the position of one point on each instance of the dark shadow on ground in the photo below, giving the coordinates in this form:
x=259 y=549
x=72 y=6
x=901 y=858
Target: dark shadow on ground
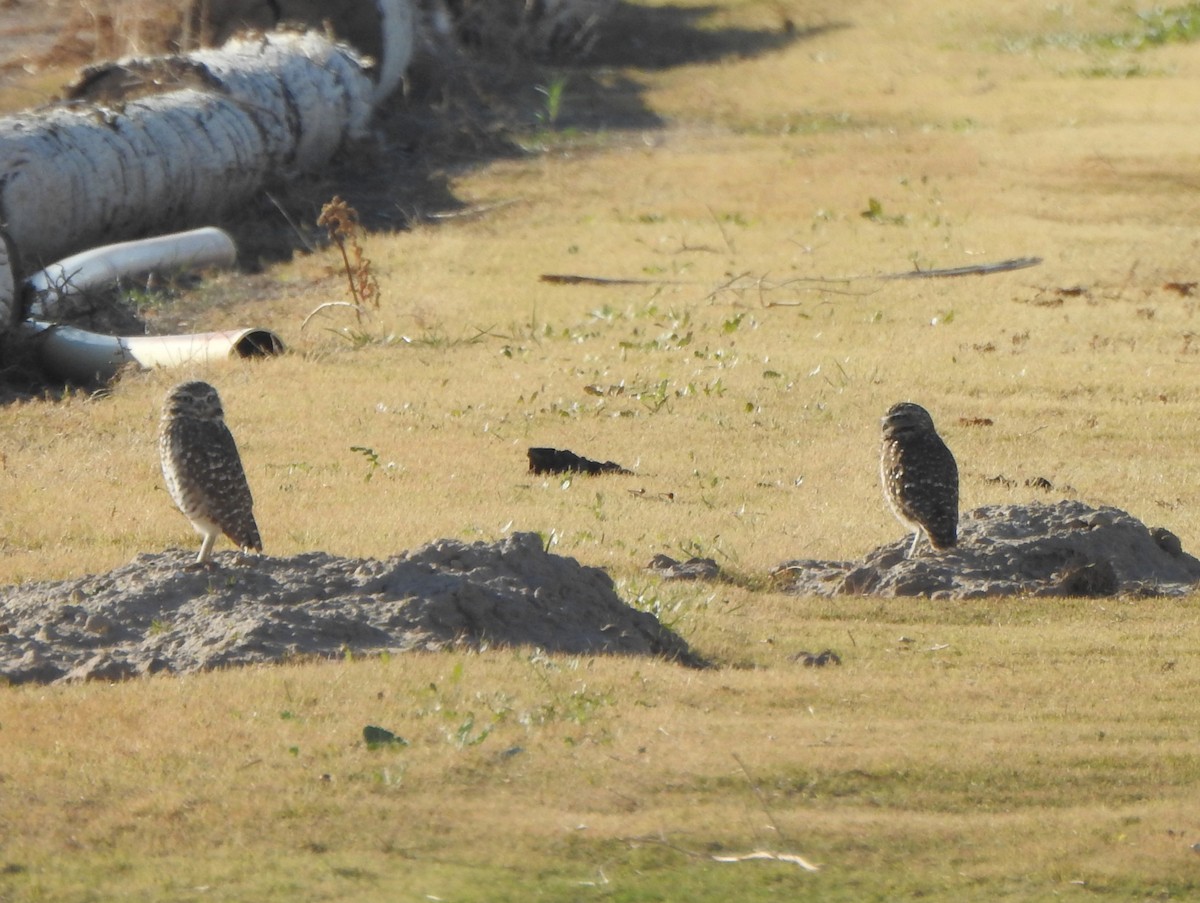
x=464 y=106
x=481 y=106
x=663 y=37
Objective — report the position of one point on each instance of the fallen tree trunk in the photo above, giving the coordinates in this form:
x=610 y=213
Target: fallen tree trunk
x=78 y=173
x=144 y=146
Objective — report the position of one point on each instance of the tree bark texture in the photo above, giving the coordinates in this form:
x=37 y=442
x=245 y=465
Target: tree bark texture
x=158 y=144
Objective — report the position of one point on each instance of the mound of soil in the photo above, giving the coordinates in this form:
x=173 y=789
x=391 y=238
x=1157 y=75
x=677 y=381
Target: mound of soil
x=1064 y=549
x=163 y=613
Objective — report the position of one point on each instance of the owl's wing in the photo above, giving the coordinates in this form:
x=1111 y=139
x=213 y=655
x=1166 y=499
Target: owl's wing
x=230 y=501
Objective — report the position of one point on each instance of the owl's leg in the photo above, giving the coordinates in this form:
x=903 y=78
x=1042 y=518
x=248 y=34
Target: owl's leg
x=206 y=547
x=912 y=550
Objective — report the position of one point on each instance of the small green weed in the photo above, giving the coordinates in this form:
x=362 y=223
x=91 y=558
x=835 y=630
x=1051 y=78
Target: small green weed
x=1151 y=28
x=553 y=100
x=1158 y=26
x=374 y=464
x=875 y=214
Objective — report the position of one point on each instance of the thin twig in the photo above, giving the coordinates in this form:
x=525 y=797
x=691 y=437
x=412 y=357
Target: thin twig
x=308 y=245
x=321 y=307
x=662 y=841
x=823 y=290
x=477 y=210
x=572 y=279
x=979 y=269
x=724 y=234
x=774 y=857
x=762 y=800
x=685 y=248
x=726 y=285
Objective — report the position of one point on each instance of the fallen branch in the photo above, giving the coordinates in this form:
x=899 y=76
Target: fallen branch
x=471 y=212
x=776 y=857
x=104 y=167
x=328 y=304
x=979 y=269
x=571 y=279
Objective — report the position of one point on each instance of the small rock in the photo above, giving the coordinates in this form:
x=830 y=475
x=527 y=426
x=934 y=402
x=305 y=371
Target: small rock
x=375 y=737
x=1167 y=541
x=1089 y=580
x=102 y=666
x=692 y=569
x=154 y=665
x=817 y=660
x=32 y=667
x=98 y=624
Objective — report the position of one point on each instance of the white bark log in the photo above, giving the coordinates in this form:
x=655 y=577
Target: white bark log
x=73 y=175
x=158 y=144
x=197 y=135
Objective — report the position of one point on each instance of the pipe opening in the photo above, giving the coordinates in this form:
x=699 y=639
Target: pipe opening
x=258 y=343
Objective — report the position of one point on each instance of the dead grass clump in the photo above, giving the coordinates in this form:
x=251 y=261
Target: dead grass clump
x=340 y=221
x=109 y=29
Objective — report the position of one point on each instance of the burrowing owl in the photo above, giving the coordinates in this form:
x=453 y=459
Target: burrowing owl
x=920 y=478
x=203 y=470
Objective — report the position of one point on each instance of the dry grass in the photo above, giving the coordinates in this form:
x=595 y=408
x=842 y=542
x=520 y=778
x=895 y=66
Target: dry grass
x=1014 y=748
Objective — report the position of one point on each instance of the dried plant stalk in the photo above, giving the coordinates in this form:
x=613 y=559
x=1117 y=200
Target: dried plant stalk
x=341 y=221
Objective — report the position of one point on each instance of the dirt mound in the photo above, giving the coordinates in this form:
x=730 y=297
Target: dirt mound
x=1064 y=549
x=161 y=613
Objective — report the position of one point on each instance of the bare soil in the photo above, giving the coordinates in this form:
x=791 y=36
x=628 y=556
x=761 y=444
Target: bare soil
x=162 y=613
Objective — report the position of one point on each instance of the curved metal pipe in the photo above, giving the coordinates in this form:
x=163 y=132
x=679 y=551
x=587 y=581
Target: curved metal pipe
x=77 y=355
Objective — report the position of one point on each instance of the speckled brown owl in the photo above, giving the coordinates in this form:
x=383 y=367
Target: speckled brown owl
x=920 y=477
x=203 y=470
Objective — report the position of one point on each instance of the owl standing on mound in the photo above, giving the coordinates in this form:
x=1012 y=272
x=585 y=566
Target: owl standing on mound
x=920 y=478
x=203 y=470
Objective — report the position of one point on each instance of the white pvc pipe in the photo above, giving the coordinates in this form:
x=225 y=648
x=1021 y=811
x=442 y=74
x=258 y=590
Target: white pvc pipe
x=397 y=27
x=100 y=267
x=80 y=356
x=8 y=285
